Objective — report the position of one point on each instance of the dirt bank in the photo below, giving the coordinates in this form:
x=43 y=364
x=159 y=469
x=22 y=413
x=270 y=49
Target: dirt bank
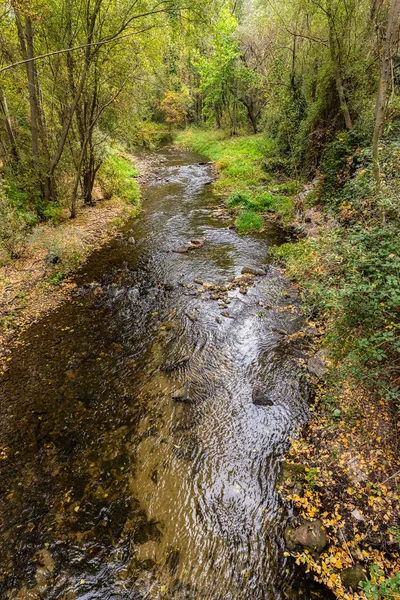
x=41 y=279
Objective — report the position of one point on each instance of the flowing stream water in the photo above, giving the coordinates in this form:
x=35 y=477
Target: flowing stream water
x=134 y=462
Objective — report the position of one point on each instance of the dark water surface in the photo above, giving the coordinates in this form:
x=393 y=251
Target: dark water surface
x=110 y=488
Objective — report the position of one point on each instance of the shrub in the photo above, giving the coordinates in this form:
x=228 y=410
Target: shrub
x=339 y=162
x=14 y=227
x=117 y=177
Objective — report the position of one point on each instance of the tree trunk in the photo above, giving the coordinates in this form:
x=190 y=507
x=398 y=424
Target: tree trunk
x=9 y=127
x=40 y=153
x=381 y=97
x=33 y=100
x=336 y=60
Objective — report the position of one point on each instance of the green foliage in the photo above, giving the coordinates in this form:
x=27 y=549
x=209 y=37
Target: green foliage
x=311 y=477
x=53 y=212
x=248 y=221
x=57 y=278
x=15 y=220
x=237 y=199
x=117 y=176
x=352 y=275
x=338 y=163
x=380 y=588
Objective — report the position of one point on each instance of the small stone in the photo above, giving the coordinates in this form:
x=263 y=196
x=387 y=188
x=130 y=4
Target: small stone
x=132 y=241
x=198 y=281
x=226 y=315
x=181 y=249
x=357 y=515
x=316 y=366
x=311 y=331
x=180 y=395
x=197 y=243
x=311 y=536
x=352 y=576
x=253 y=271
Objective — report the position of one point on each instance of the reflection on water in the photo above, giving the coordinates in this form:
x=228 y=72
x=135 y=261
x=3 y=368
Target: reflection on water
x=134 y=461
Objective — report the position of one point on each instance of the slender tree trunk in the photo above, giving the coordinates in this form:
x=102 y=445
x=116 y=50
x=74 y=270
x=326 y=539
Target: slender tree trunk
x=381 y=97
x=336 y=60
x=27 y=48
x=9 y=127
x=40 y=152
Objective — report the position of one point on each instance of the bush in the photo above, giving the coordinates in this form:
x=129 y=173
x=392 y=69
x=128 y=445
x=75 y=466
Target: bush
x=352 y=276
x=339 y=162
x=14 y=227
x=117 y=177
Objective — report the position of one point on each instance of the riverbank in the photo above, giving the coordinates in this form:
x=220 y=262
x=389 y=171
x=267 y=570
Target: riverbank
x=39 y=280
x=342 y=471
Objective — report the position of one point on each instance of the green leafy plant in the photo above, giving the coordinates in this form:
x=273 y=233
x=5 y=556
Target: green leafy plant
x=379 y=587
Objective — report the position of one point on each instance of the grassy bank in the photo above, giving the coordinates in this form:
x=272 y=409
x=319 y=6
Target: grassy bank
x=37 y=258
x=347 y=264
x=249 y=189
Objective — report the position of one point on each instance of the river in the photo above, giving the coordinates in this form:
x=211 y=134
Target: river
x=134 y=462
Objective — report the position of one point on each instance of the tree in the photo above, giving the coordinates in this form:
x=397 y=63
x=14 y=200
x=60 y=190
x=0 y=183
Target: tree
x=390 y=33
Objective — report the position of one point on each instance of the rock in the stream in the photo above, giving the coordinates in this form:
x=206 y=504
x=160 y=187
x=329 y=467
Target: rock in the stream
x=181 y=249
x=352 y=576
x=253 y=271
x=198 y=243
x=311 y=536
x=192 y=317
x=132 y=241
x=226 y=314
x=181 y=394
x=292 y=476
x=259 y=397
x=316 y=366
x=192 y=245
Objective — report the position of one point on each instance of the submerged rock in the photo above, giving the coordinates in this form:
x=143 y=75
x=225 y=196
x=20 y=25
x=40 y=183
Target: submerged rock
x=259 y=397
x=192 y=245
x=181 y=362
x=311 y=536
x=172 y=561
x=197 y=243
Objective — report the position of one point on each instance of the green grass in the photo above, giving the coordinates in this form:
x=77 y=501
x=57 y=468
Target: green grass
x=243 y=180
x=117 y=177
x=248 y=221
